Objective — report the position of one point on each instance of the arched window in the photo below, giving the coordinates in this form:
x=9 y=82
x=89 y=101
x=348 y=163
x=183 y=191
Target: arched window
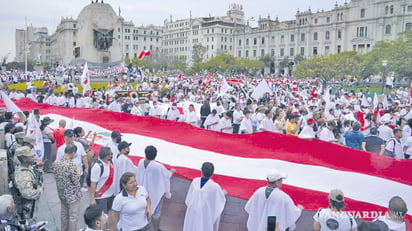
x=388 y=29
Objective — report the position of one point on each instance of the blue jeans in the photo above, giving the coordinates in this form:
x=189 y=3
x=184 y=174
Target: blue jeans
x=46 y=156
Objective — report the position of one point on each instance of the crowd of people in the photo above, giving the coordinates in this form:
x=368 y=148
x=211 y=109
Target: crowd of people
x=133 y=195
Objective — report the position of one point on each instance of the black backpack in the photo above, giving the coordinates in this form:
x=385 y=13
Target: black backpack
x=94 y=161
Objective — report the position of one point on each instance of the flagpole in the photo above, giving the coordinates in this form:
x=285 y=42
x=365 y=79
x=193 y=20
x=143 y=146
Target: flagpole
x=25 y=46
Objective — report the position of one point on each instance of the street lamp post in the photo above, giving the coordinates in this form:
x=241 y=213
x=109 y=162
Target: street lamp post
x=384 y=64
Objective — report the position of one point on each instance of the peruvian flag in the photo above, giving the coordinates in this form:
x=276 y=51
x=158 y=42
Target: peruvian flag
x=85 y=79
x=180 y=77
x=144 y=53
x=243 y=161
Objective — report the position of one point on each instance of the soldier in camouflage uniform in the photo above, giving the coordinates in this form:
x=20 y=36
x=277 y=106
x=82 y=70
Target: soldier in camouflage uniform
x=28 y=181
x=19 y=143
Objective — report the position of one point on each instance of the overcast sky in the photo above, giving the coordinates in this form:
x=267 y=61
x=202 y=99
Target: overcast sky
x=48 y=13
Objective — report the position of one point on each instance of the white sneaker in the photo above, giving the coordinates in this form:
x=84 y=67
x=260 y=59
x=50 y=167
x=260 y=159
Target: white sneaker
x=84 y=189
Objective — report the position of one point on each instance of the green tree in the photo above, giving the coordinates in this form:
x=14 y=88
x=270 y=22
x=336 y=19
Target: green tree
x=197 y=53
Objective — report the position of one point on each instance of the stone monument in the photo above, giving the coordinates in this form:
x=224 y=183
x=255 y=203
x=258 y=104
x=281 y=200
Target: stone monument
x=98 y=31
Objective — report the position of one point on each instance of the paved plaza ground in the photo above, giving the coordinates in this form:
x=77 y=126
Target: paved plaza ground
x=233 y=219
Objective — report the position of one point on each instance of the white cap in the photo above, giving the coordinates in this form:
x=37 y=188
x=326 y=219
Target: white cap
x=275 y=175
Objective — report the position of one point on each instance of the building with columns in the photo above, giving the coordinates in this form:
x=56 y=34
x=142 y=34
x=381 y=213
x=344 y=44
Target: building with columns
x=356 y=25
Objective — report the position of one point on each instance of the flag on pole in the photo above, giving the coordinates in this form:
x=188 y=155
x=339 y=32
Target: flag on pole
x=385 y=102
x=224 y=87
x=364 y=102
x=143 y=54
x=85 y=79
x=261 y=89
x=375 y=101
x=33 y=129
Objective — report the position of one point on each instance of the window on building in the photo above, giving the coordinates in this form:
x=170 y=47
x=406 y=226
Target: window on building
x=315 y=36
x=254 y=41
x=282 y=39
x=302 y=51
x=302 y=37
x=292 y=38
x=339 y=34
x=408 y=26
x=247 y=53
x=118 y=29
x=362 y=32
x=326 y=50
x=388 y=30
x=386 y=9
x=74 y=25
x=263 y=41
x=212 y=47
x=262 y=52
x=315 y=50
x=282 y=52
x=339 y=49
x=230 y=47
x=240 y=42
x=327 y=35
x=292 y=51
x=273 y=40
x=254 y=53
x=74 y=44
x=239 y=54
x=327 y=19
x=392 y=9
x=247 y=42
x=362 y=13
x=316 y=21
x=272 y=53
x=409 y=9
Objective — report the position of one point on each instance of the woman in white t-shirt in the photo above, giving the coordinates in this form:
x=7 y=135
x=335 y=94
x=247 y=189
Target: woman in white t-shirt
x=48 y=140
x=131 y=207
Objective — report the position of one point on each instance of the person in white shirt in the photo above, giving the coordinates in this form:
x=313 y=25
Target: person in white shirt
x=155 y=111
x=122 y=164
x=385 y=132
x=205 y=201
x=156 y=179
x=327 y=133
x=80 y=156
x=307 y=131
x=212 y=121
x=115 y=106
x=267 y=123
x=395 y=220
x=102 y=180
x=334 y=218
x=225 y=123
x=270 y=200
x=172 y=113
x=51 y=99
x=94 y=218
x=246 y=124
x=191 y=116
x=393 y=147
x=237 y=118
x=137 y=110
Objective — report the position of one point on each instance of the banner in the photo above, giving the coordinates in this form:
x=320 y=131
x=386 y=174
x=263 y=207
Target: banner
x=242 y=161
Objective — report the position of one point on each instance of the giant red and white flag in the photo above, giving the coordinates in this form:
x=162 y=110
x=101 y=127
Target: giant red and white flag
x=241 y=162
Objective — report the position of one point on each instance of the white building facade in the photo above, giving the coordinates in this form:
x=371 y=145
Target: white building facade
x=356 y=25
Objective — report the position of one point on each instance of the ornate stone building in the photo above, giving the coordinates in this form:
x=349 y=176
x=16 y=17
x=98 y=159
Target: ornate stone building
x=99 y=35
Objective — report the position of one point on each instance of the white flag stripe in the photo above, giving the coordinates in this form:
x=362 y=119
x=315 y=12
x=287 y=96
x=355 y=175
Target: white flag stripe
x=356 y=186
x=10 y=105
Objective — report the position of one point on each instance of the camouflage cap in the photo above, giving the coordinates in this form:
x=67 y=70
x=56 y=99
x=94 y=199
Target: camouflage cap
x=30 y=139
x=24 y=151
x=20 y=135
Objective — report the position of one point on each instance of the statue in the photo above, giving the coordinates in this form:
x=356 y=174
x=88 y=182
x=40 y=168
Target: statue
x=103 y=39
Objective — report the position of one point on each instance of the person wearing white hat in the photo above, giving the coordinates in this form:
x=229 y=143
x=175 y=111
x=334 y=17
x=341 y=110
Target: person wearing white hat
x=271 y=201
